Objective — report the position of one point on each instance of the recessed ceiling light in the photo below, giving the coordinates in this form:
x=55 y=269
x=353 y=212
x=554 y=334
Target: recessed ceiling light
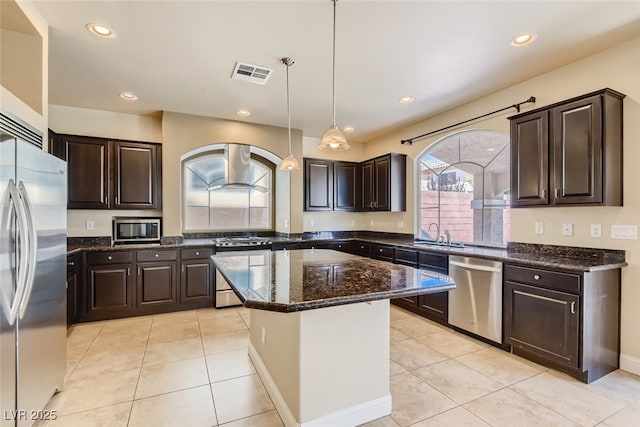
x=348 y=129
x=522 y=40
x=406 y=100
x=128 y=96
x=100 y=31
x=243 y=113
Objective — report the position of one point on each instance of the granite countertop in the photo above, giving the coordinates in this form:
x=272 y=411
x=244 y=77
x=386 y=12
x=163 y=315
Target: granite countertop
x=536 y=255
x=305 y=279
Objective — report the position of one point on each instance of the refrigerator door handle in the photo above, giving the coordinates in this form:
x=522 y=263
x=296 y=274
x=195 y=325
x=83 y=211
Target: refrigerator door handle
x=24 y=252
x=33 y=249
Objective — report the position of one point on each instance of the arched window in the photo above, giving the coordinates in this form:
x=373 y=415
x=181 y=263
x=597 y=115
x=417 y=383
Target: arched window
x=464 y=188
x=208 y=205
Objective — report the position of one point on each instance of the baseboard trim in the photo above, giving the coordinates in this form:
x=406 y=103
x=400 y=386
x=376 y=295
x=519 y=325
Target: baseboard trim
x=347 y=417
x=630 y=364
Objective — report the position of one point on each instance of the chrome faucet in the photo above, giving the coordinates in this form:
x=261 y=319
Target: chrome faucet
x=438 y=237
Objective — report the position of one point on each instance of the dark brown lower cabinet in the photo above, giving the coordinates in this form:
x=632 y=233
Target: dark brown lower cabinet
x=434 y=306
x=156 y=284
x=196 y=281
x=73 y=283
x=569 y=321
x=109 y=290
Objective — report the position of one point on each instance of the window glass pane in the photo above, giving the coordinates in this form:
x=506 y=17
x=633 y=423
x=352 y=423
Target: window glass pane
x=207 y=205
x=464 y=188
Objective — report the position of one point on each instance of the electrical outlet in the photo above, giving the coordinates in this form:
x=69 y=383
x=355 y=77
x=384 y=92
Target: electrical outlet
x=352 y=222
x=90 y=225
x=312 y=222
x=567 y=229
x=371 y=223
x=400 y=224
x=539 y=228
x=286 y=223
x=596 y=230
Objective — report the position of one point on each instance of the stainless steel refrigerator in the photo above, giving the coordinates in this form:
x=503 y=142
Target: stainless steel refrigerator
x=33 y=236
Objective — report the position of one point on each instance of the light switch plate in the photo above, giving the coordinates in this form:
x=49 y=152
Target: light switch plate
x=596 y=230
x=539 y=228
x=627 y=232
x=567 y=229
x=312 y=222
x=90 y=225
x=286 y=223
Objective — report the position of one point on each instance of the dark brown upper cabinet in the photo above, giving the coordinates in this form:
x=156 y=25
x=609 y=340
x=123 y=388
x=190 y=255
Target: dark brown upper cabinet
x=137 y=172
x=346 y=186
x=318 y=185
x=569 y=153
x=384 y=182
x=106 y=174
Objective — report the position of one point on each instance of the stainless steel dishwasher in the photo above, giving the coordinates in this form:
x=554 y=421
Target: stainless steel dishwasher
x=475 y=305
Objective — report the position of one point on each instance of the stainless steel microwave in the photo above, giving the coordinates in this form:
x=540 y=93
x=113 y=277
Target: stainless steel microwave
x=136 y=230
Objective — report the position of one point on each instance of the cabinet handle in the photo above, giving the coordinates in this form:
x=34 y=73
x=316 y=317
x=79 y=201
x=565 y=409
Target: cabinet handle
x=139 y=271
x=116 y=201
x=380 y=250
x=128 y=271
x=197 y=253
x=183 y=268
x=544 y=193
x=156 y=255
x=573 y=307
x=537 y=277
x=109 y=257
x=557 y=193
x=71 y=263
x=106 y=200
x=375 y=204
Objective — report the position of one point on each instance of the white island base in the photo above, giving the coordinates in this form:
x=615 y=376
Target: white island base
x=326 y=366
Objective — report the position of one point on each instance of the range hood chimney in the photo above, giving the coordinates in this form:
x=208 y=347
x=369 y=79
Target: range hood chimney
x=237 y=174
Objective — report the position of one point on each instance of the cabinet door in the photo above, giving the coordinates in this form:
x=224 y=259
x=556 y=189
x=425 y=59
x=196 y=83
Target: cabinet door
x=542 y=322
x=109 y=288
x=346 y=186
x=137 y=176
x=382 y=173
x=318 y=185
x=577 y=160
x=72 y=296
x=196 y=281
x=368 y=184
x=529 y=160
x=88 y=163
x=156 y=284
x=434 y=306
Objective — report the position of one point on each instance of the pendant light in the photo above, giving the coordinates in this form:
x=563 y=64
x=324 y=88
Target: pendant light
x=289 y=163
x=333 y=139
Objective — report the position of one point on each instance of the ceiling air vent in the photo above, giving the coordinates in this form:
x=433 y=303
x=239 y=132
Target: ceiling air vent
x=251 y=73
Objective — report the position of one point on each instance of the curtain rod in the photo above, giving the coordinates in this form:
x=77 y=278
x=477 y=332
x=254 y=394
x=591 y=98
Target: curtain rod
x=516 y=106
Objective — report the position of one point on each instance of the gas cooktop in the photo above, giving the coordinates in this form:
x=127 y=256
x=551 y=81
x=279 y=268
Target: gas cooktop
x=242 y=242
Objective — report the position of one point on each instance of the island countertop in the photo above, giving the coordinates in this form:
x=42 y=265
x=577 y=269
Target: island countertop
x=288 y=281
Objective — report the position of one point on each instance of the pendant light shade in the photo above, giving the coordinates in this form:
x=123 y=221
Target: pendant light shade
x=289 y=163
x=333 y=139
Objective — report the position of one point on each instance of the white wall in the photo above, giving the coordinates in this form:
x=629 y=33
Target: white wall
x=617 y=68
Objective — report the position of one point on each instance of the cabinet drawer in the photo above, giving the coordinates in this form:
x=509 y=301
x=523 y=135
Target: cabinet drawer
x=110 y=257
x=164 y=255
x=438 y=261
x=196 y=253
x=382 y=252
x=362 y=249
x=406 y=256
x=548 y=279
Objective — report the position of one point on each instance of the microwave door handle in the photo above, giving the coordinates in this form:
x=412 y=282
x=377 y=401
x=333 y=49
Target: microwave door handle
x=33 y=249
x=21 y=267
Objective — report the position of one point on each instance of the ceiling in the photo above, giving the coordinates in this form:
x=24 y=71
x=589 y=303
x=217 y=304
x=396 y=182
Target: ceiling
x=179 y=55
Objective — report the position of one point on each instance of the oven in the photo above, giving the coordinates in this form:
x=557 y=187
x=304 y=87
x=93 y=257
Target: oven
x=225 y=296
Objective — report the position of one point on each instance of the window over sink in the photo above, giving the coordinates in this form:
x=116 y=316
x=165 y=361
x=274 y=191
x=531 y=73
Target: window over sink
x=464 y=182
x=210 y=205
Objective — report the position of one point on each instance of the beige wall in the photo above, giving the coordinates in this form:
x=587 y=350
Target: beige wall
x=183 y=133
x=617 y=68
x=25 y=54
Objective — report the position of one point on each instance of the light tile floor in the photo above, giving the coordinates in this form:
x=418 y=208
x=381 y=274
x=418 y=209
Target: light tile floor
x=192 y=369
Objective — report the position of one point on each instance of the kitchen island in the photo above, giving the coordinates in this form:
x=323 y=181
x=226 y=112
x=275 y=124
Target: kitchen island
x=319 y=331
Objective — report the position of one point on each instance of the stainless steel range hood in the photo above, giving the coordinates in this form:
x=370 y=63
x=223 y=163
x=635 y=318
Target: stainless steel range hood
x=237 y=174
